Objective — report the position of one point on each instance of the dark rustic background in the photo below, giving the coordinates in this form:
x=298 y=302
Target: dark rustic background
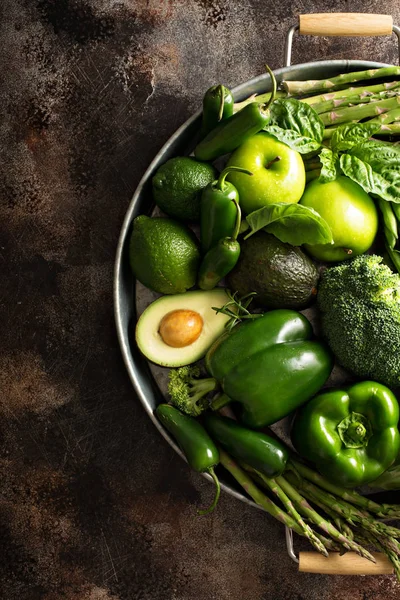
x=94 y=504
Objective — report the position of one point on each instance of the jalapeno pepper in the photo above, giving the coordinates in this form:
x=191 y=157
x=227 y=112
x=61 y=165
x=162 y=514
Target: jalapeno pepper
x=232 y=132
x=218 y=213
x=220 y=260
x=194 y=441
x=217 y=106
x=257 y=449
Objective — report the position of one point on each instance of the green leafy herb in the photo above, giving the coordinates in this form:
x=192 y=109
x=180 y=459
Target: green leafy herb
x=291 y=223
x=349 y=135
x=296 y=124
x=293 y=139
x=329 y=161
x=376 y=170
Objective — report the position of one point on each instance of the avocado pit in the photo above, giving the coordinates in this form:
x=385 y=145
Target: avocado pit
x=180 y=328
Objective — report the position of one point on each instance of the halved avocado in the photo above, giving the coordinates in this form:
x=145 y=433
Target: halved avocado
x=178 y=330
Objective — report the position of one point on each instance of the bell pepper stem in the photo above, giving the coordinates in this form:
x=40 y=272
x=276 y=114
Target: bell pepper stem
x=220 y=401
x=222 y=176
x=209 y=509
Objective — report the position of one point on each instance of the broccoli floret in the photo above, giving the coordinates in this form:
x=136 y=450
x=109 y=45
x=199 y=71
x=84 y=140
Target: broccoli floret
x=360 y=317
x=189 y=393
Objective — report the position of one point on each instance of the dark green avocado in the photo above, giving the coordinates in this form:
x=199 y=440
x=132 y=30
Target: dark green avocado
x=283 y=276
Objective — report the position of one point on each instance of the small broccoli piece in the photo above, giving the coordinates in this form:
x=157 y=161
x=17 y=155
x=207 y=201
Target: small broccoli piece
x=360 y=317
x=187 y=392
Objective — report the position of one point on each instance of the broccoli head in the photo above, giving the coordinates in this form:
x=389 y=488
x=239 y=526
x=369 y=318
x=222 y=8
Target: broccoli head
x=187 y=392
x=359 y=303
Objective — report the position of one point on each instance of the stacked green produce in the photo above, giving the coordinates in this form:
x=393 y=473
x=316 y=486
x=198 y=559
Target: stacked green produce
x=312 y=174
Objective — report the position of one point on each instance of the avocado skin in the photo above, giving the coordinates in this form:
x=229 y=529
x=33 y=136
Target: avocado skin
x=282 y=276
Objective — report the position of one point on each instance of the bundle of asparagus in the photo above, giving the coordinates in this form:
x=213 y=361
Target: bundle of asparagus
x=355 y=519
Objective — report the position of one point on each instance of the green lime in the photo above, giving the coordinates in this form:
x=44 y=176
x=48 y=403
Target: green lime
x=177 y=186
x=164 y=254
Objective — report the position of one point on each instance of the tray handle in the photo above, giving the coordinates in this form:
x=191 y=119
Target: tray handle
x=340 y=24
x=346 y=564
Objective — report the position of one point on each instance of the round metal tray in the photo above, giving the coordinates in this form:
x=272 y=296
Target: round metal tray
x=130 y=297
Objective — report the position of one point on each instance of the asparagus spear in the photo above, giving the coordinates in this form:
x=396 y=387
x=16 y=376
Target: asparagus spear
x=371 y=89
x=329 y=105
x=289 y=495
x=275 y=488
x=392 y=116
x=367 y=538
x=319 y=85
x=388 y=511
x=316 y=518
x=361 y=111
x=261 y=499
x=349 y=512
x=390 y=229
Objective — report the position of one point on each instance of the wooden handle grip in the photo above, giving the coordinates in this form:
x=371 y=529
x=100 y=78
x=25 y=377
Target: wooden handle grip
x=347 y=564
x=345 y=24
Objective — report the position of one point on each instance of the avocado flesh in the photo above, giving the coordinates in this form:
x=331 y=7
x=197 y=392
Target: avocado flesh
x=282 y=276
x=150 y=342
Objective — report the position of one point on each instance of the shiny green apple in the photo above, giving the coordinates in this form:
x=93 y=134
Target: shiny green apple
x=278 y=173
x=350 y=213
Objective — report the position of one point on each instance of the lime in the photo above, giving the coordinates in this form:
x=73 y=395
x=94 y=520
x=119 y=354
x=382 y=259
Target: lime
x=177 y=186
x=164 y=254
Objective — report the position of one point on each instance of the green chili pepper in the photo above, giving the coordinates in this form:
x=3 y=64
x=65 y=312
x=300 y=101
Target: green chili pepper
x=351 y=435
x=220 y=260
x=217 y=106
x=218 y=213
x=255 y=448
x=232 y=132
x=194 y=441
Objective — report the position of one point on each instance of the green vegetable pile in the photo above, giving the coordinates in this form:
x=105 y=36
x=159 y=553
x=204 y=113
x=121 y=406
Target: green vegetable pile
x=305 y=207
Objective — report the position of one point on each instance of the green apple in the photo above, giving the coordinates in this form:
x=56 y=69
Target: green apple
x=278 y=173
x=350 y=213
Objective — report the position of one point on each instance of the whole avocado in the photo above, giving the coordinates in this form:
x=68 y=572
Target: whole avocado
x=282 y=276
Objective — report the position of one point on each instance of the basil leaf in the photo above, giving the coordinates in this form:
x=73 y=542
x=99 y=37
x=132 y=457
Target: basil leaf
x=384 y=180
x=293 y=139
x=349 y=135
x=329 y=162
x=289 y=113
x=291 y=223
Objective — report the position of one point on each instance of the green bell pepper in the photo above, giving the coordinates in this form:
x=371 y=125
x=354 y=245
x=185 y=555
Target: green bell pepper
x=350 y=435
x=270 y=365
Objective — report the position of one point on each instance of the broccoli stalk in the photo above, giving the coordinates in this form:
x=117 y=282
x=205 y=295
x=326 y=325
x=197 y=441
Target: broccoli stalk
x=188 y=392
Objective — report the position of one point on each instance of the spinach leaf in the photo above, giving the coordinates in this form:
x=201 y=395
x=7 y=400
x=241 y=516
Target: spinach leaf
x=349 y=135
x=291 y=223
x=376 y=167
x=304 y=128
x=329 y=162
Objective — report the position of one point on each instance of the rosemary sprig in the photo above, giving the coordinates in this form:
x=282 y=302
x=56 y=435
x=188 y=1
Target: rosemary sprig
x=237 y=309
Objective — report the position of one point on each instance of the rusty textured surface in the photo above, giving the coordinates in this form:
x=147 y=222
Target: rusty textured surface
x=94 y=505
